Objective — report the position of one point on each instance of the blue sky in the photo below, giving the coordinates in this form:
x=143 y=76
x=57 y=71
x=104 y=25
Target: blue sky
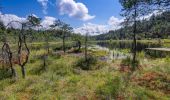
x=101 y=9
x=96 y=15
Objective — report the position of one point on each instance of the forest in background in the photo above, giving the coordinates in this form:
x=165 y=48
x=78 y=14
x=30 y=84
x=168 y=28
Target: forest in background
x=155 y=27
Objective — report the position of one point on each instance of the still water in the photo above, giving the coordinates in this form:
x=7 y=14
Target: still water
x=118 y=46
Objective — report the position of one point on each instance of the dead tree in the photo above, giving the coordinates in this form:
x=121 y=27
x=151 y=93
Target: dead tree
x=7 y=54
x=23 y=50
x=22 y=56
x=86 y=39
x=21 y=44
x=46 y=47
x=32 y=22
x=86 y=43
x=7 y=57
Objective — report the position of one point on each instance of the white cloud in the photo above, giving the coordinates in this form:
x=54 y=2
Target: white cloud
x=115 y=23
x=44 y=4
x=74 y=9
x=7 y=18
x=95 y=29
x=48 y=21
x=91 y=29
x=156 y=12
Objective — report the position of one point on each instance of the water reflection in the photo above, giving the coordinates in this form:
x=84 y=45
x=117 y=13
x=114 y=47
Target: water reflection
x=112 y=54
x=141 y=47
x=128 y=45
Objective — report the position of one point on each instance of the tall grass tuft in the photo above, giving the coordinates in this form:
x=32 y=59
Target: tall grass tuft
x=87 y=64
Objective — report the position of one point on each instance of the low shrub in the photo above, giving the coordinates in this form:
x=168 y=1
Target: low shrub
x=129 y=62
x=32 y=60
x=55 y=55
x=5 y=73
x=86 y=64
x=126 y=62
x=141 y=55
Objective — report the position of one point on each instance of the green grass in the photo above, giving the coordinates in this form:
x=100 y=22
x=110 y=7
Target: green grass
x=62 y=81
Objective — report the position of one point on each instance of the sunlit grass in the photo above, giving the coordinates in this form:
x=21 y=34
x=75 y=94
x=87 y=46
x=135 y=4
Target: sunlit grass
x=63 y=81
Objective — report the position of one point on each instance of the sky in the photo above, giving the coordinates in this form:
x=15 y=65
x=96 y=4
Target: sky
x=96 y=16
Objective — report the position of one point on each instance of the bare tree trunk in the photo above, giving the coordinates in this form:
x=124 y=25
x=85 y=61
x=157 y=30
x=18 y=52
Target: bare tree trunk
x=47 y=43
x=11 y=65
x=13 y=72
x=86 y=47
x=64 y=49
x=21 y=43
x=134 y=38
x=44 y=62
x=7 y=54
x=46 y=47
x=23 y=71
x=79 y=45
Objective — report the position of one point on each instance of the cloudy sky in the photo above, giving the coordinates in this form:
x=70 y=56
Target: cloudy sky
x=96 y=16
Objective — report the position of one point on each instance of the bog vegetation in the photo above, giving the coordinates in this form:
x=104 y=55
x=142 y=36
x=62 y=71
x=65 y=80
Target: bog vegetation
x=55 y=63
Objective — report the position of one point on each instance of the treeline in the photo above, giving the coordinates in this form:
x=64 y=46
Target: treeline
x=157 y=26
x=37 y=35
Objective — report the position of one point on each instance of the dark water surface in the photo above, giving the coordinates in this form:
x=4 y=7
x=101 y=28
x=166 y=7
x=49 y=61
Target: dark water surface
x=141 y=46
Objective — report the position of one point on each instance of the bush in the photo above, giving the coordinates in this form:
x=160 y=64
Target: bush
x=141 y=55
x=33 y=60
x=5 y=73
x=126 y=62
x=55 y=55
x=129 y=62
x=86 y=64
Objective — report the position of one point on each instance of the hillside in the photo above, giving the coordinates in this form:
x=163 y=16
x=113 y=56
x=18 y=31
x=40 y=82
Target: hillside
x=158 y=26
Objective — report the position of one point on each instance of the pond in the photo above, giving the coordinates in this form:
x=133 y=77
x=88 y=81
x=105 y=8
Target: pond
x=125 y=47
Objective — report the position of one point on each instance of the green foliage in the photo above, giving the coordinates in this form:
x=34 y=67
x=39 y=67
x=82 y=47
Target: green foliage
x=87 y=64
x=4 y=73
x=129 y=62
x=141 y=55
